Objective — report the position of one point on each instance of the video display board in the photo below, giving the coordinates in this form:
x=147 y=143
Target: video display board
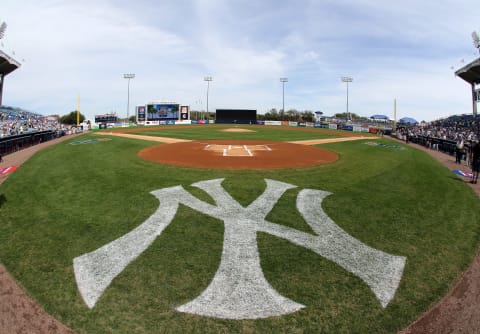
x=107 y=118
x=162 y=111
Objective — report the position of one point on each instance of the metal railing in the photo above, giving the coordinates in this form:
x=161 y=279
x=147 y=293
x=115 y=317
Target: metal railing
x=16 y=143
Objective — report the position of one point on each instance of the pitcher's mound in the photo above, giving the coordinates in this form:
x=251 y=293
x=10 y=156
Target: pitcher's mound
x=238 y=154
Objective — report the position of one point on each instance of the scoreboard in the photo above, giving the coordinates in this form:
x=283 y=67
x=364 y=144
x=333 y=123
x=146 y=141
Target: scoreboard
x=162 y=111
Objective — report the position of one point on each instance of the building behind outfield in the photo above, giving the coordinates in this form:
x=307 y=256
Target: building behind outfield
x=235 y=116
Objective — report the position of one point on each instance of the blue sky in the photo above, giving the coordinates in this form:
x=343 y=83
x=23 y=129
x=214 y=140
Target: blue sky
x=391 y=49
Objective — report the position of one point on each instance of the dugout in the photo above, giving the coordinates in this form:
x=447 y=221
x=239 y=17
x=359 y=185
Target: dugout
x=236 y=116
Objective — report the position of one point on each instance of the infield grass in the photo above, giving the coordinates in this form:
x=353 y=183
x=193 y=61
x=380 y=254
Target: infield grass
x=71 y=199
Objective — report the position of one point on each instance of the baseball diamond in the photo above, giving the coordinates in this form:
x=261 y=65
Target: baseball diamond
x=209 y=235
x=239 y=167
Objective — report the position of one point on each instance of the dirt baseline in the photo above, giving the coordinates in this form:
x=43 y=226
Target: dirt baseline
x=238 y=154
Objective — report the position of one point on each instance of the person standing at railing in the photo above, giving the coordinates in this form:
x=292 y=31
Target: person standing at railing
x=475 y=161
x=459 y=149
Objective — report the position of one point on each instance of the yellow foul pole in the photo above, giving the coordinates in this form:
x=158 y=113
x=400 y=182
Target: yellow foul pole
x=78 y=110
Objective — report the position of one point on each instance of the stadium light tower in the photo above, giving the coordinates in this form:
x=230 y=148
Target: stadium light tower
x=347 y=80
x=283 y=80
x=128 y=76
x=476 y=40
x=3 y=27
x=207 y=79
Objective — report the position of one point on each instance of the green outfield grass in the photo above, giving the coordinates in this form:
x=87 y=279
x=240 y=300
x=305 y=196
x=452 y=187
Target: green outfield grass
x=258 y=132
x=72 y=199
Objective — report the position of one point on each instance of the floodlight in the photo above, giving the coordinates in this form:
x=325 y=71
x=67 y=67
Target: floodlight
x=128 y=76
x=283 y=80
x=476 y=40
x=347 y=80
x=207 y=79
x=3 y=27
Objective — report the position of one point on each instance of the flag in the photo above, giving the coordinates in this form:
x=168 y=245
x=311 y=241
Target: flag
x=7 y=170
x=463 y=173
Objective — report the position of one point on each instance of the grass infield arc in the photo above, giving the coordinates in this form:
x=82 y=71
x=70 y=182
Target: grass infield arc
x=282 y=155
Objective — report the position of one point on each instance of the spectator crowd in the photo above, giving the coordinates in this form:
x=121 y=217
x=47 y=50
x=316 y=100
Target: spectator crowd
x=15 y=121
x=456 y=135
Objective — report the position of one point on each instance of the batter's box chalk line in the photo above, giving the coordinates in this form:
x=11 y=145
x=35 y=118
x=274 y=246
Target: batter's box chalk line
x=236 y=150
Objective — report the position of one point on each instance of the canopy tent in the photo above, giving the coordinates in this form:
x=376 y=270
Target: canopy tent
x=408 y=120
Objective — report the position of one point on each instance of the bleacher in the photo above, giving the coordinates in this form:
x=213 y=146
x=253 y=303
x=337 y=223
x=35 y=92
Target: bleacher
x=20 y=128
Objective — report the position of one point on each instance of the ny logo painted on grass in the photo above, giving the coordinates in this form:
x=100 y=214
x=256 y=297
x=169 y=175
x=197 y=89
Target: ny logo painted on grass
x=239 y=289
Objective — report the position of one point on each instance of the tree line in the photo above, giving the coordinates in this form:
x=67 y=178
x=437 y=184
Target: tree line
x=291 y=115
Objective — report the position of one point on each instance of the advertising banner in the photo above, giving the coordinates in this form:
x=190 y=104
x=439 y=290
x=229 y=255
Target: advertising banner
x=332 y=126
x=273 y=123
x=141 y=114
x=184 y=113
x=357 y=128
x=303 y=124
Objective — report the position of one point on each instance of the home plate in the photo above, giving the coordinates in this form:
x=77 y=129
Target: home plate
x=236 y=150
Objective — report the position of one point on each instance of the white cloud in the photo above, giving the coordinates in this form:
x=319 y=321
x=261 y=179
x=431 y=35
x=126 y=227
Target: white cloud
x=404 y=50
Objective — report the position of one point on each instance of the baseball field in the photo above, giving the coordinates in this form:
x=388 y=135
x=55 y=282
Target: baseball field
x=220 y=229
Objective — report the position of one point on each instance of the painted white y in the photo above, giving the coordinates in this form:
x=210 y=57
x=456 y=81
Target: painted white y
x=239 y=289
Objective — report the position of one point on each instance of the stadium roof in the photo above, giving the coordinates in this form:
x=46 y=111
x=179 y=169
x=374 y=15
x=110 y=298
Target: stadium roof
x=470 y=72
x=7 y=64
